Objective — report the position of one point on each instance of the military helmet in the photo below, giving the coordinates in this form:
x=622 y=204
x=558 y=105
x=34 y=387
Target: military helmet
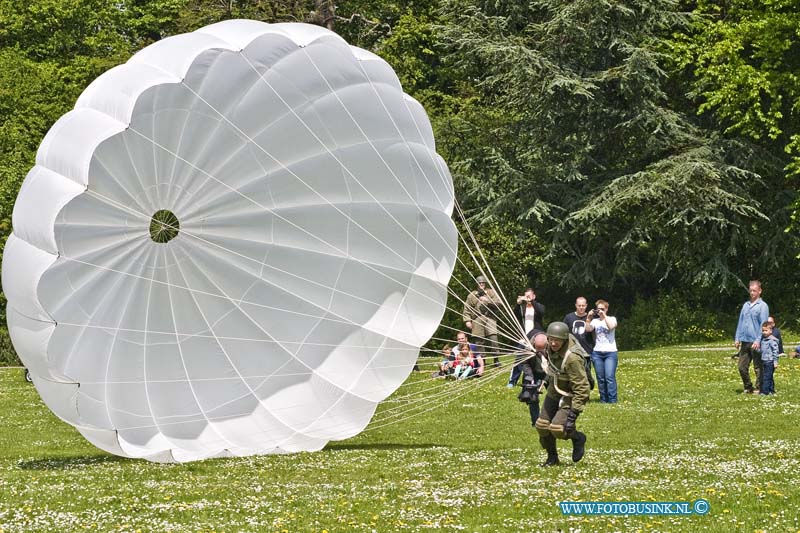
x=558 y=330
x=480 y=279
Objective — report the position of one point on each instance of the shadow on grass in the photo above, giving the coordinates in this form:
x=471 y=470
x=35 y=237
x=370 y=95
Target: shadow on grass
x=69 y=463
x=380 y=446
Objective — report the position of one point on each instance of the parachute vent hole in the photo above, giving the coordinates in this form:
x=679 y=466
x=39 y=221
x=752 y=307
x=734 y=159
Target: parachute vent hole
x=164 y=226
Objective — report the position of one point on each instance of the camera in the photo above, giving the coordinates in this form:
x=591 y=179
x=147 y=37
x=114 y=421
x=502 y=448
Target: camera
x=596 y=313
x=481 y=292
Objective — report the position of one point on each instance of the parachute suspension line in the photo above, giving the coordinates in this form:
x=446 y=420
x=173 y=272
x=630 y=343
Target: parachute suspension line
x=427 y=406
x=413 y=400
x=514 y=324
x=506 y=305
x=442 y=388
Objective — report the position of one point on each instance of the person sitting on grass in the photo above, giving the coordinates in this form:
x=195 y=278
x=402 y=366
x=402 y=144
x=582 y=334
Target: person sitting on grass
x=769 y=359
x=446 y=365
x=467 y=364
x=463 y=341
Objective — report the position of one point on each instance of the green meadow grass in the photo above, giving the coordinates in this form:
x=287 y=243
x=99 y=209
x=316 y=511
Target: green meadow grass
x=468 y=460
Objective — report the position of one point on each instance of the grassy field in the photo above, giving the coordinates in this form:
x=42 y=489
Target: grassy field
x=468 y=461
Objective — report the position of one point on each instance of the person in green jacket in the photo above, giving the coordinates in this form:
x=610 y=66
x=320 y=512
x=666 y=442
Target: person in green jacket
x=567 y=394
x=480 y=317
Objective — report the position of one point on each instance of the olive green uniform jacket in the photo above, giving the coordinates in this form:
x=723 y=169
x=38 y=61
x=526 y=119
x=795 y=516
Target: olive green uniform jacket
x=482 y=314
x=570 y=377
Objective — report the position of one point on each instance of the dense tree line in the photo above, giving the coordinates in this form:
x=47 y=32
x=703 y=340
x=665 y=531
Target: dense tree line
x=635 y=148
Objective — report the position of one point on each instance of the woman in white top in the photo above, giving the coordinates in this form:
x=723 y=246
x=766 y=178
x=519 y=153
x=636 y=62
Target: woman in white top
x=604 y=355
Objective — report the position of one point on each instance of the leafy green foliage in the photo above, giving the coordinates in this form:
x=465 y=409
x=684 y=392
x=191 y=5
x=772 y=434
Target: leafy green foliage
x=8 y=357
x=745 y=58
x=189 y=15
x=568 y=127
x=742 y=60
x=672 y=319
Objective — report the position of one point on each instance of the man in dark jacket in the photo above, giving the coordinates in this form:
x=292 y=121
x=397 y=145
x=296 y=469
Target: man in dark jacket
x=529 y=312
x=533 y=375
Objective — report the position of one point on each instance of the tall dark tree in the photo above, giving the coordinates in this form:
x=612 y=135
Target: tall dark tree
x=569 y=128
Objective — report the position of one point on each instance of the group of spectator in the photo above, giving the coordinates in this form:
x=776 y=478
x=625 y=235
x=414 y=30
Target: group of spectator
x=558 y=361
x=462 y=361
x=594 y=330
x=758 y=340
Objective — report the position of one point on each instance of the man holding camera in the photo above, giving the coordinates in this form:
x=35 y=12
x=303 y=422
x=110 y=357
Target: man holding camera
x=529 y=314
x=479 y=317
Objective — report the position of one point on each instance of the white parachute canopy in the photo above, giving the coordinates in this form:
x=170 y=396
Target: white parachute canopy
x=235 y=244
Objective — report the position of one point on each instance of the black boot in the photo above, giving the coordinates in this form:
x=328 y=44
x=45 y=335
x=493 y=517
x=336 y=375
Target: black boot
x=578 y=446
x=526 y=395
x=552 y=459
x=549 y=444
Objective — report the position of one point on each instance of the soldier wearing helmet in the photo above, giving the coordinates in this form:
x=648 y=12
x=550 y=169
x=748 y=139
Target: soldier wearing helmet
x=567 y=394
x=479 y=317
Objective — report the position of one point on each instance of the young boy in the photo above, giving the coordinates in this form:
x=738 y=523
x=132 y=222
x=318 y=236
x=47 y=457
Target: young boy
x=769 y=359
x=446 y=365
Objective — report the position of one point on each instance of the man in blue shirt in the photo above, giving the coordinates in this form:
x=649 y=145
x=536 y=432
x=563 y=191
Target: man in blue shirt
x=748 y=335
